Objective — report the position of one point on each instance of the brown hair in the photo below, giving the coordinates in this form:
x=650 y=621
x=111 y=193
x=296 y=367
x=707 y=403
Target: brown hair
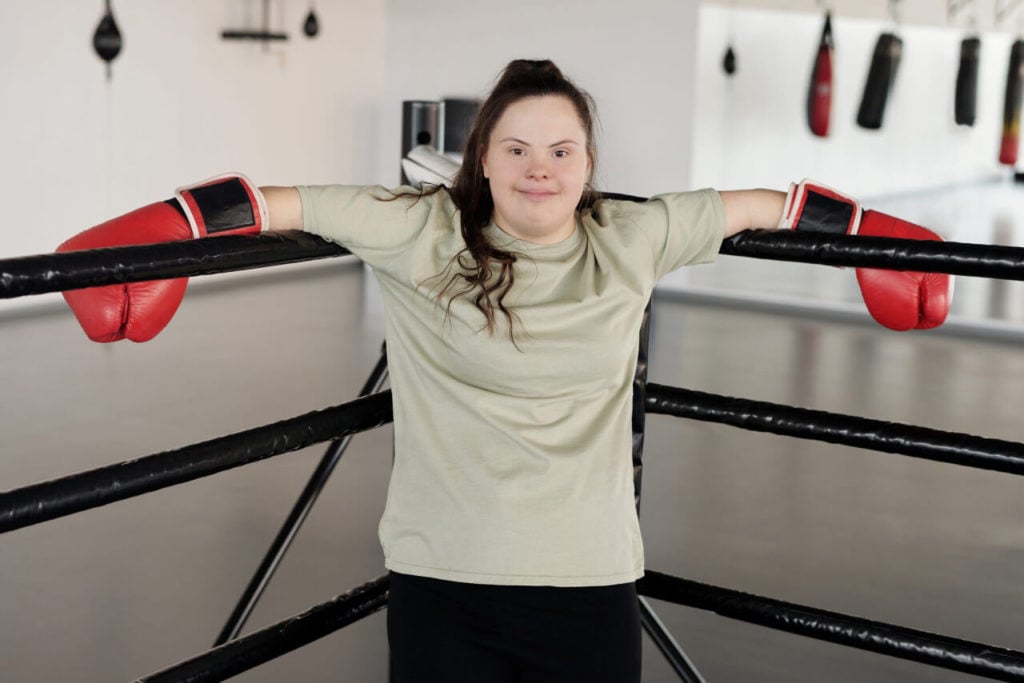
x=471 y=192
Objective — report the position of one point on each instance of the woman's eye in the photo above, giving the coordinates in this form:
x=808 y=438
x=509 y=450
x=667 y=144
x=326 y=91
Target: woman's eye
x=560 y=153
x=517 y=151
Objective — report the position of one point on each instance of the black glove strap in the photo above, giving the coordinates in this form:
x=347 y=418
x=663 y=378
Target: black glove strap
x=224 y=205
x=825 y=214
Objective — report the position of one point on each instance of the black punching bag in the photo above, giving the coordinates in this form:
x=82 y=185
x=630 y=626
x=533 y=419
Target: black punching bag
x=884 y=63
x=106 y=40
x=966 y=101
x=311 y=27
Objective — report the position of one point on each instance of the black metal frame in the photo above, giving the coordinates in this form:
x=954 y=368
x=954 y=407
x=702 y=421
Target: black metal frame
x=649 y=621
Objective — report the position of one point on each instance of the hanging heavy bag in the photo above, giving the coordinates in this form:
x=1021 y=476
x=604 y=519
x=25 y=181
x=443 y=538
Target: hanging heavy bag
x=819 y=94
x=884 y=63
x=966 y=99
x=1011 y=105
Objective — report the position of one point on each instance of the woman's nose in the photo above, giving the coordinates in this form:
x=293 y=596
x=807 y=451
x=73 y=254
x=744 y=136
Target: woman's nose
x=538 y=169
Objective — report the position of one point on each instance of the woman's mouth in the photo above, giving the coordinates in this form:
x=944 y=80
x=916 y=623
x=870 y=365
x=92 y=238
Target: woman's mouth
x=537 y=195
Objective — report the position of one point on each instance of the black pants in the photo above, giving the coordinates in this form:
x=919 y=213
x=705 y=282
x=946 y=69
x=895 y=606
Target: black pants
x=470 y=633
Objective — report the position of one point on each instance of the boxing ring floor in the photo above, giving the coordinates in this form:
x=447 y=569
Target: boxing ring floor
x=129 y=588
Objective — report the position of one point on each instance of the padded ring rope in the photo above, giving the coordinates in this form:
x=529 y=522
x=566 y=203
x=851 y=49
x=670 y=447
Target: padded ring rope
x=861 y=432
x=49 y=500
x=919 y=646
x=117 y=265
x=278 y=639
x=955 y=258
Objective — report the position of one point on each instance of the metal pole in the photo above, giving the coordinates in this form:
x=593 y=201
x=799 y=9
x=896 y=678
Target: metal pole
x=680 y=663
x=298 y=515
x=648 y=619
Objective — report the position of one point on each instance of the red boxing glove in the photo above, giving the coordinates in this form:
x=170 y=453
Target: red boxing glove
x=226 y=205
x=898 y=299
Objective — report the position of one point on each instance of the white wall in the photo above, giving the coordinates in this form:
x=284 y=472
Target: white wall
x=182 y=105
x=750 y=129
x=982 y=14
x=636 y=59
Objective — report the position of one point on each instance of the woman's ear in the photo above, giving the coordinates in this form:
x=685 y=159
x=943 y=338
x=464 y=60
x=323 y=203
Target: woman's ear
x=483 y=163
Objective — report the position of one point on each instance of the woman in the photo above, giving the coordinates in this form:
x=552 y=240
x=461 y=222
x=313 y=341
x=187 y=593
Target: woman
x=514 y=301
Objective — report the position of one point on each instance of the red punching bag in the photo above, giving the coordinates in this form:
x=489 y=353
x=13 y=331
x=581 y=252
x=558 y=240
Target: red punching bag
x=1011 y=105
x=819 y=94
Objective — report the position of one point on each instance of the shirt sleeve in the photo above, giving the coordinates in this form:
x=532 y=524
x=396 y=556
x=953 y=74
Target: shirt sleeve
x=372 y=222
x=680 y=228
x=685 y=228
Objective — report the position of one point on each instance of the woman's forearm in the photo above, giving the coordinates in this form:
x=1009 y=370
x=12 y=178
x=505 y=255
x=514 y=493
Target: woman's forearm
x=284 y=207
x=746 y=209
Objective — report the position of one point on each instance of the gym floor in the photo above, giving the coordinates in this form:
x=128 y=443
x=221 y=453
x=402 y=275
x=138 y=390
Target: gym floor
x=128 y=589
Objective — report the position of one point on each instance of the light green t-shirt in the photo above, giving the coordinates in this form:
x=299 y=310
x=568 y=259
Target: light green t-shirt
x=513 y=465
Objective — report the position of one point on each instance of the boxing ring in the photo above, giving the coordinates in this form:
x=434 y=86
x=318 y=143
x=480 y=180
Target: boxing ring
x=336 y=425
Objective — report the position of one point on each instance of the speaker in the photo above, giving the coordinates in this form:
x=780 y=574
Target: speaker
x=458 y=115
x=421 y=125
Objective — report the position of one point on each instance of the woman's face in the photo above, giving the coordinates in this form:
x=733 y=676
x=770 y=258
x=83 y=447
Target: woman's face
x=537 y=164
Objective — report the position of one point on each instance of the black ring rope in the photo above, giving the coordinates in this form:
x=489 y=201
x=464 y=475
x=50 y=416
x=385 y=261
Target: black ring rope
x=117 y=265
x=44 y=273
x=927 y=256
x=919 y=646
x=271 y=642
x=860 y=432
x=75 y=493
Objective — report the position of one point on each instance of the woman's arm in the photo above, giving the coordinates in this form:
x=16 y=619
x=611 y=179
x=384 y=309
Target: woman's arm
x=746 y=209
x=284 y=208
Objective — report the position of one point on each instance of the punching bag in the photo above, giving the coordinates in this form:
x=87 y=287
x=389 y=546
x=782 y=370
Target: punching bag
x=966 y=100
x=106 y=40
x=1011 y=105
x=819 y=94
x=729 y=61
x=884 y=63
